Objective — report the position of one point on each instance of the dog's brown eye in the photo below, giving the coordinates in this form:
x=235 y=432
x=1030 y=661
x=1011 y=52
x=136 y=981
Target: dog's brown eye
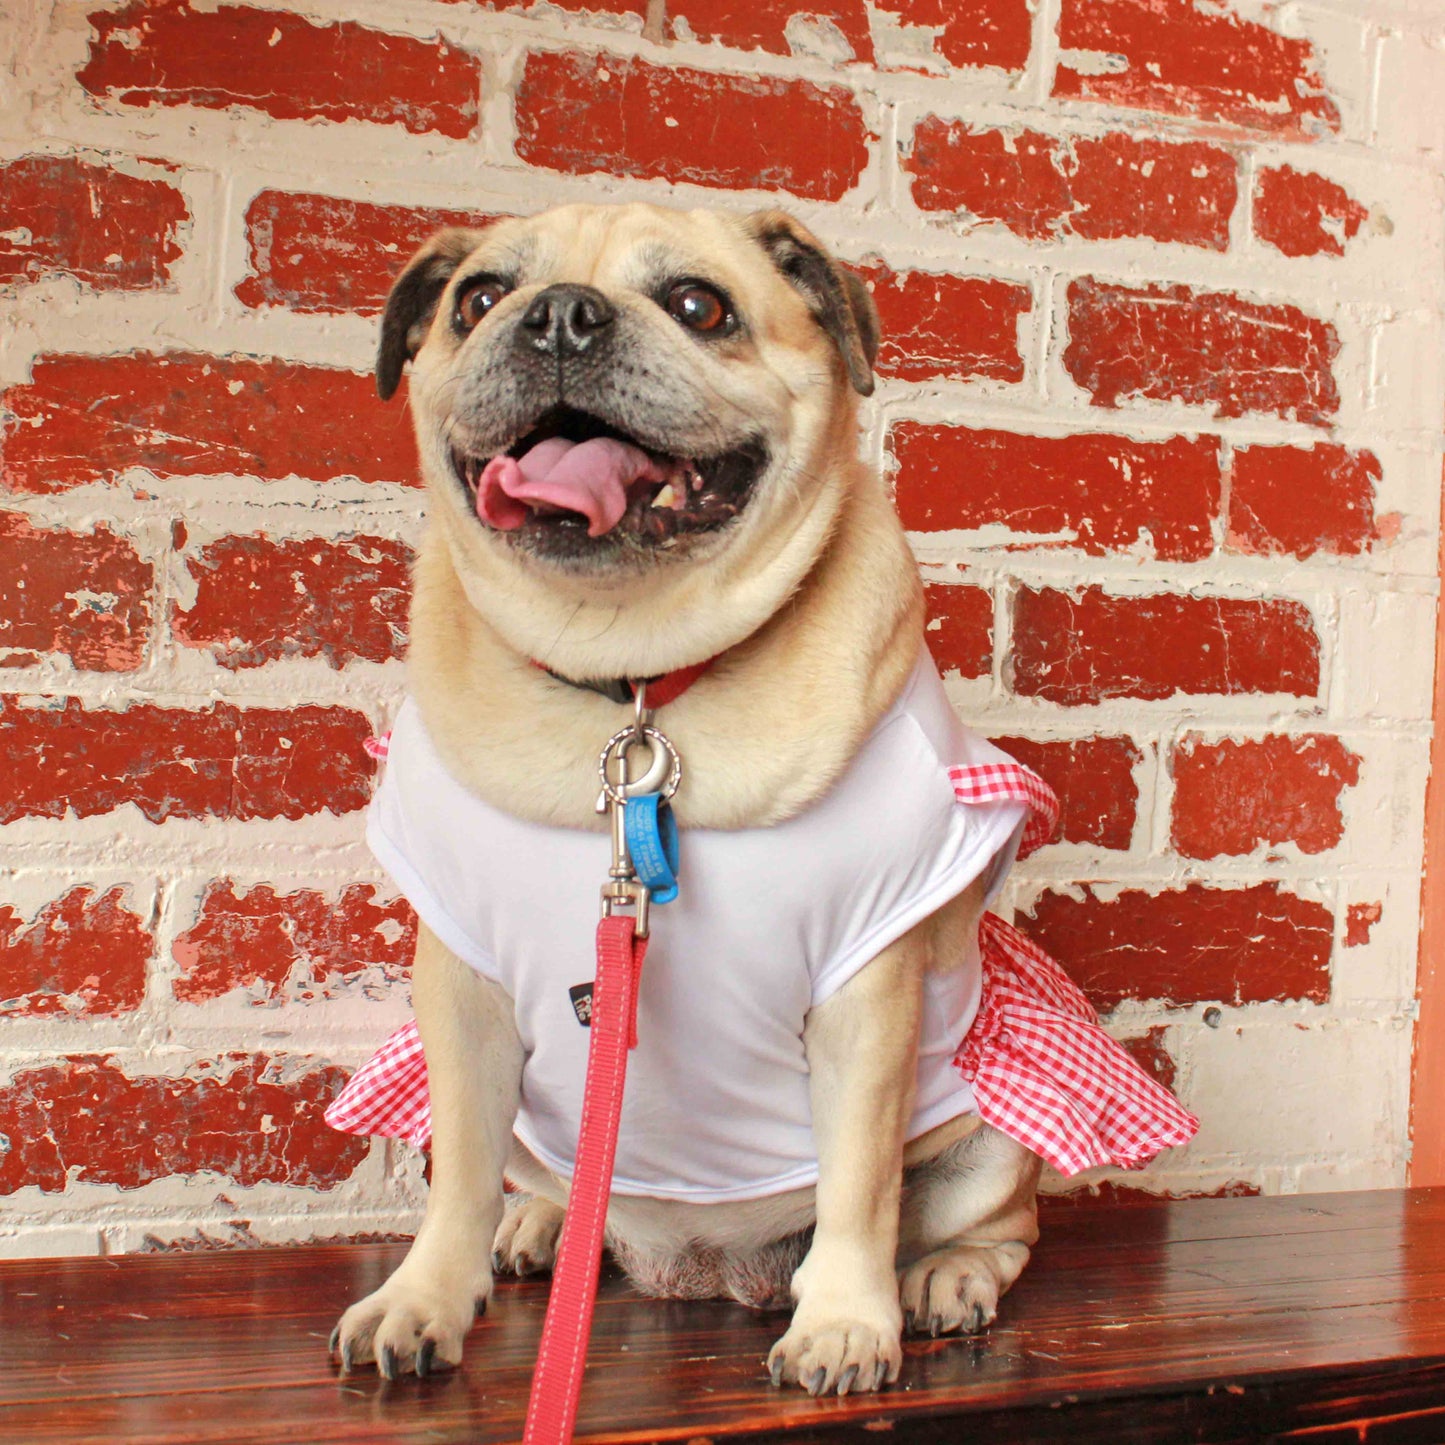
x=699 y=308
x=478 y=297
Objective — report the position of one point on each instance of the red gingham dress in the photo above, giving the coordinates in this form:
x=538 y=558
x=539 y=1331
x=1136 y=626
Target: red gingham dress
x=1041 y=1068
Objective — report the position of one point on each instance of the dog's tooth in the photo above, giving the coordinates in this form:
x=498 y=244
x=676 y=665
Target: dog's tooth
x=666 y=496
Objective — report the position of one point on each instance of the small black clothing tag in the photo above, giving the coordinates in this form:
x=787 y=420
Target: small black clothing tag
x=581 y=996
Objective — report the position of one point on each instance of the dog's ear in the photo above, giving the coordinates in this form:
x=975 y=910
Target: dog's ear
x=836 y=296
x=413 y=302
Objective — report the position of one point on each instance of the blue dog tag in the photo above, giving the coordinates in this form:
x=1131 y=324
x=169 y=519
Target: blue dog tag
x=652 y=844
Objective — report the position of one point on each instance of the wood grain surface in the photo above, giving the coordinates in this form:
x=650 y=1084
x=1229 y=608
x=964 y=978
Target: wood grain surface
x=1318 y=1318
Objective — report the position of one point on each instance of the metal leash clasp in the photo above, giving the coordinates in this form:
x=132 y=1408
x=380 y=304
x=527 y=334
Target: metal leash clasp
x=663 y=773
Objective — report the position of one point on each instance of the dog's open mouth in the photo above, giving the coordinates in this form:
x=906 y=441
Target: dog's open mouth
x=573 y=477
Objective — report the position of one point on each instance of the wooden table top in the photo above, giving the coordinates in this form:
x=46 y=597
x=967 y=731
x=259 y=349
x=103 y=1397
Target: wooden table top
x=1315 y=1317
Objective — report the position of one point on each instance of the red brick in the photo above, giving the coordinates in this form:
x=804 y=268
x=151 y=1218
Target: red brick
x=1296 y=501
x=60 y=757
x=1043 y=187
x=1360 y=920
x=60 y=216
x=961 y=327
x=252 y=1118
x=292 y=945
x=1233 y=797
x=1182 y=58
x=84 y=594
x=749 y=133
x=90 y=418
x=959 y=629
x=321 y=253
x=762 y=24
x=1094 y=779
x=1082 y=649
x=259 y=600
x=1303 y=214
x=1206 y=348
x=163 y=52
x=1099 y=493
x=988 y=32
x=983 y=32
x=1148 y=1051
x=81 y=954
x=1188 y=945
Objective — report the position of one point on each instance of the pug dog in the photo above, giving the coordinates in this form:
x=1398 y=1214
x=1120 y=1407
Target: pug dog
x=638 y=429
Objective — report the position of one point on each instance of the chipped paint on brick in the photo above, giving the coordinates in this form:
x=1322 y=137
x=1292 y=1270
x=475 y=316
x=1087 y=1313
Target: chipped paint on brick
x=1045 y=187
x=1082 y=649
x=93 y=418
x=1180 y=57
x=165 y=53
x=300 y=946
x=1233 y=797
x=248 y=1118
x=1183 y=946
x=325 y=254
x=84 y=953
x=86 y=595
x=62 y=216
x=61 y=758
x=583 y=113
x=1204 y=348
x=1098 y=493
x=258 y=601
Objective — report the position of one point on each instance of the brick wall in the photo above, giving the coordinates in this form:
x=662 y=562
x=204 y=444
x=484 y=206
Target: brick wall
x=1161 y=402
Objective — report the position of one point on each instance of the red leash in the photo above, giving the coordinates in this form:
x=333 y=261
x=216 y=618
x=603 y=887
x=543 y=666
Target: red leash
x=621 y=947
x=557 y=1381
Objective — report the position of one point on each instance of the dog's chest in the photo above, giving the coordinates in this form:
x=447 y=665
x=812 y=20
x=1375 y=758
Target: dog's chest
x=768 y=923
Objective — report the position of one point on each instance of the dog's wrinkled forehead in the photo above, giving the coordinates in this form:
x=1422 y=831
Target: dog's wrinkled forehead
x=623 y=248
x=775 y=273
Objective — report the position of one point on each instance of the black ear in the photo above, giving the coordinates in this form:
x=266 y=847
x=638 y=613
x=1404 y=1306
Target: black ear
x=413 y=302
x=836 y=296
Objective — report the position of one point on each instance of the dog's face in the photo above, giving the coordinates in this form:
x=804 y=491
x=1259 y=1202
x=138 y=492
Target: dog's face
x=604 y=395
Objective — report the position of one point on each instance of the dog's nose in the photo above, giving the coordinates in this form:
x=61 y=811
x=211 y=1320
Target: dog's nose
x=567 y=320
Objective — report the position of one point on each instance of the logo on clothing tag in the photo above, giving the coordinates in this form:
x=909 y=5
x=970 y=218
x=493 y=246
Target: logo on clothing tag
x=581 y=996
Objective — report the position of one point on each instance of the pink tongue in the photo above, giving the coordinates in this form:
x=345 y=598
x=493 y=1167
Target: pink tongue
x=557 y=475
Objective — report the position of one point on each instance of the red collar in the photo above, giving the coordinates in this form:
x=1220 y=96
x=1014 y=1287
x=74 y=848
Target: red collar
x=660 y=690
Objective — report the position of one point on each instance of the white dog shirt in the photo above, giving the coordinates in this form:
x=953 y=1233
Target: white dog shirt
x=768 y=924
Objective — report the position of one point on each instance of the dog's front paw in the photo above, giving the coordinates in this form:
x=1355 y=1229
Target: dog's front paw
x=527 y=1237
x=409 y=1324
x=846 y=1355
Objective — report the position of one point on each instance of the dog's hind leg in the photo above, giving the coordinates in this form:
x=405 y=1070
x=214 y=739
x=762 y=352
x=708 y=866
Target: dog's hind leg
x=968 y=1221
x=418 y=1319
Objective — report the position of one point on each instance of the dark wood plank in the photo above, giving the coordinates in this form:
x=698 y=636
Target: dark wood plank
x=1315 y=1318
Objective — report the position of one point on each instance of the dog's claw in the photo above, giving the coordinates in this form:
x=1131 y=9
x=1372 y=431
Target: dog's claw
x=479 y=1307
x=497 y=1261
x=386 y=1365
x=424 y=1356
x=818 y=1380
x=879 y=1374
x=935 y=1325
x=845 y=1383
x=333 y=1341
x=775 y=1370
x=907 y=1322
x=978 y=1320
x=346 y=1358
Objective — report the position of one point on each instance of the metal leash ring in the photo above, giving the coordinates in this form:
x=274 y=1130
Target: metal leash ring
x=663 y=775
